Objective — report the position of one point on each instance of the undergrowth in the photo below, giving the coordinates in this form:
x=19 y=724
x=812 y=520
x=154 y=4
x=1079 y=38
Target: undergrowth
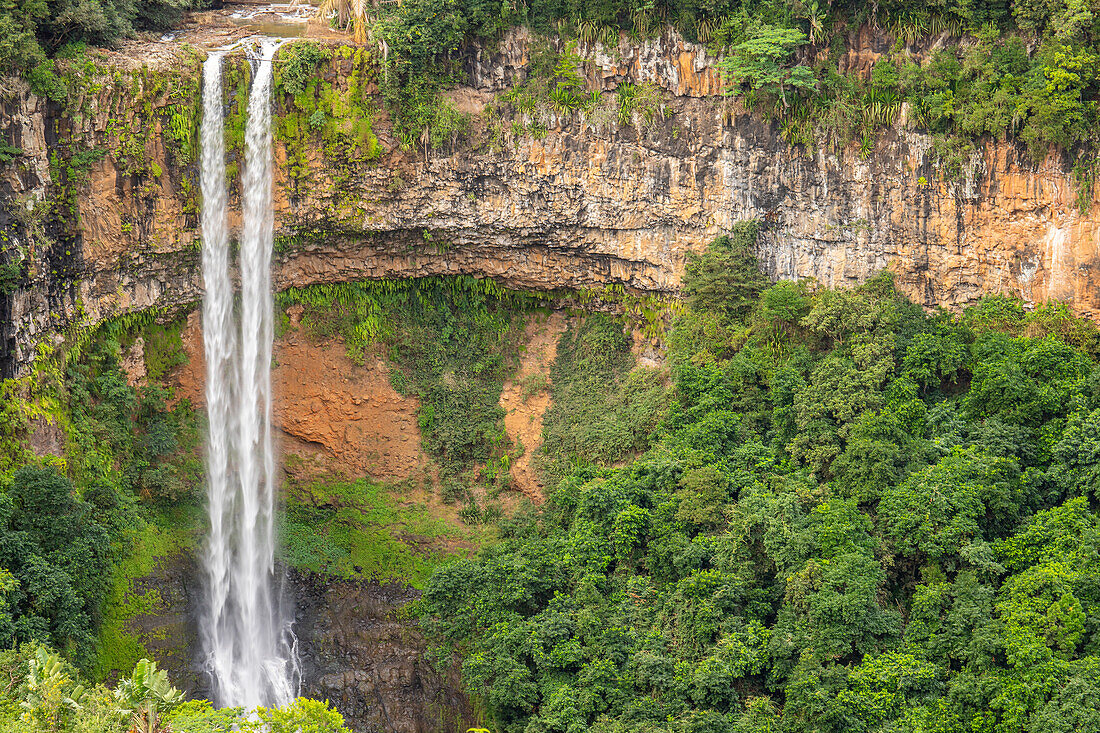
x=118 y=647
x=603 y=409
x=163 y=348
x=116 y=489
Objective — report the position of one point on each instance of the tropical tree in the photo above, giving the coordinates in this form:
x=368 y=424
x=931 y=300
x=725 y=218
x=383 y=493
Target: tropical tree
x=763 y=64
x=52 y=697
x=303 y=716
x=146 y=697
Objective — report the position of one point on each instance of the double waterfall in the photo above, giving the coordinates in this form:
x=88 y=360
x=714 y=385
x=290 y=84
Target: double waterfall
x=247 y=639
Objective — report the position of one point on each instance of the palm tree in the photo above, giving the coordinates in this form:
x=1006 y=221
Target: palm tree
x=349 y=14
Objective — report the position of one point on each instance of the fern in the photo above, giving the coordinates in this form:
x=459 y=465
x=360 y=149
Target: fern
x=8 y=153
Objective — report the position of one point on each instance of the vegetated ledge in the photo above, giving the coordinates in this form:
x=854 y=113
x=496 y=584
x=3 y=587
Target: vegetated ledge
x=579 y=204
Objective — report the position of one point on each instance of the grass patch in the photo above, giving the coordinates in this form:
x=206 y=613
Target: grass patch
x=603 y=409
x=360 y=528
x=164 y=348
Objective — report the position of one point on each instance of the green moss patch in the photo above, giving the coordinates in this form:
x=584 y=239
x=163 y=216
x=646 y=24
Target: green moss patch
x=364 y=529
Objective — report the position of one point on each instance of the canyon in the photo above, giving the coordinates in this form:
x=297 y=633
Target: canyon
x=584 y=206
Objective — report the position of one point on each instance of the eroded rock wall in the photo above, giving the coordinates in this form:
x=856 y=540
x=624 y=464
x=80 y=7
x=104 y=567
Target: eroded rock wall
x=325 y=405
x=583 y=205
x=371 y=665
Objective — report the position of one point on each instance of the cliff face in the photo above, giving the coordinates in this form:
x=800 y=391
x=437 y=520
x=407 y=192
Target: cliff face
x=372 y=666
x=583 y=205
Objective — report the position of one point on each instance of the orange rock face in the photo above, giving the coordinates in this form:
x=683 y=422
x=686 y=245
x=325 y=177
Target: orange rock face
x=326 y=406
x=351 y=412
x=526 y=397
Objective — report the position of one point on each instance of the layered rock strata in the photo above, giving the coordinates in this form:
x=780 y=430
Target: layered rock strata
x=584 y=205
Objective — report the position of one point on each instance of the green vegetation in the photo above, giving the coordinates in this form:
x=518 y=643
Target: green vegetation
x=118 y=648
x=1023 y=70
x=421 y=38
x=72 y=523
x=31 y=31
x=11 y=276
x=991 y=87
x=336 y=116
x=555 y=88
x=42 y=692
x=852 y=516
x=163 y=349
x=298 y=65
x=8 y=153
x=16 y=413
x=57 y=556
x=762 y=64
x=554 y=85
x=165 y=103
x=141 y=110
x=456 y=350
x=603 y=411
x=362 y=529
x=725 y=279
x=128 y=480
x=130 y=436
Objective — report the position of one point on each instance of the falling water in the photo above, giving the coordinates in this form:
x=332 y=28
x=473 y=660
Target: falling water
x=247 y=638
x=219 y=341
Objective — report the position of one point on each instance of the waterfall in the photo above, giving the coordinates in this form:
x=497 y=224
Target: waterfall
x=247 y=638
x=219 y=344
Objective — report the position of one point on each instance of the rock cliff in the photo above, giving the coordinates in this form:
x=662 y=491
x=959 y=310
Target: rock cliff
x=580 y=206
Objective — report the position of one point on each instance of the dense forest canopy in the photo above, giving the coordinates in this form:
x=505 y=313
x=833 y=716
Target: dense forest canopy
x=854 y=515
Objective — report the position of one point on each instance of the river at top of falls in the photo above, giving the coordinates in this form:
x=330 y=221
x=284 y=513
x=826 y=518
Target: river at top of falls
x=247 y=638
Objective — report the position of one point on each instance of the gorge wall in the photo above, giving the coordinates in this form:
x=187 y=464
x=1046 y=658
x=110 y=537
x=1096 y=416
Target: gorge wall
x=581 y=206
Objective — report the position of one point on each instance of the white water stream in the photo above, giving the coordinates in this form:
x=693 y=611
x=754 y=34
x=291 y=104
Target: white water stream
x=247 y=638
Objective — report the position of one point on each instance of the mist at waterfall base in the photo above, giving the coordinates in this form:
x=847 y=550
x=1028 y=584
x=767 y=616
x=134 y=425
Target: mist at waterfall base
x=248 y=645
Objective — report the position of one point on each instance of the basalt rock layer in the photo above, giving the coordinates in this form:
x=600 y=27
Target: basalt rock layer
x=585 y=204
x=370 y=664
